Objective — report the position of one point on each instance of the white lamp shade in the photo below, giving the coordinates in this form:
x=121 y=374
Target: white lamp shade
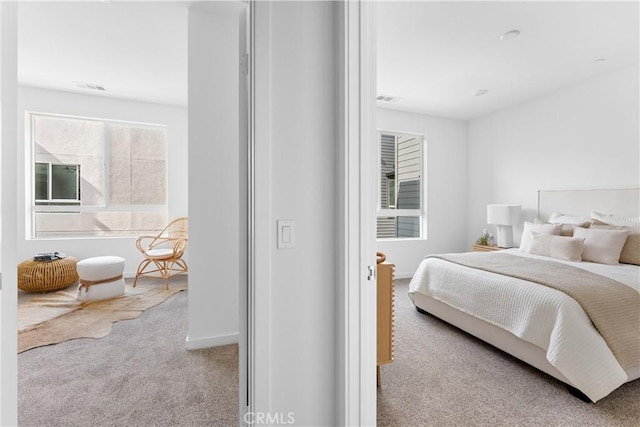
x=503 y=214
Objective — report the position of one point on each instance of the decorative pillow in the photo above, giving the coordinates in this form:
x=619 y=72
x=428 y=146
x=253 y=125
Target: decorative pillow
x=568 y=248
x=554 y=229
x=630 y=253
x=620 y=221
x=558 y=218
x=566 y=221
x=602 y=245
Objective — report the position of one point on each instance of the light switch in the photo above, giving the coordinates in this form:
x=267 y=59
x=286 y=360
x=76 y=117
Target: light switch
x=286 y=233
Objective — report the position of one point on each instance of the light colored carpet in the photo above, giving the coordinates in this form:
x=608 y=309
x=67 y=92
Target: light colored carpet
x=59 y=316
x=442 y=376
x=139 y=375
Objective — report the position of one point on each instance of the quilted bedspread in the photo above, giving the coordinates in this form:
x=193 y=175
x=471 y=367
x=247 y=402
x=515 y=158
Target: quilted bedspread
x=540 y=315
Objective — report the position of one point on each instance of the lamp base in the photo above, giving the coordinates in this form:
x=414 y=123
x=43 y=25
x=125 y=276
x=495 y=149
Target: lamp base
x=505 y=236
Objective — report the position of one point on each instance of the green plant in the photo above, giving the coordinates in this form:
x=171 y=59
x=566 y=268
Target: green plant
x=485 y=239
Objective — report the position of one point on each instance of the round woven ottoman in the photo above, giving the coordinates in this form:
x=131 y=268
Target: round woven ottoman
x=100 y=278
x=47 y=276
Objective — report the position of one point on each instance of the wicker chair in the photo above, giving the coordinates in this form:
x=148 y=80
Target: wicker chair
x=164 y=252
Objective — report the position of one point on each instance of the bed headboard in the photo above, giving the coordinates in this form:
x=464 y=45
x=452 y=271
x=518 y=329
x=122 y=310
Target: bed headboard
x=615 y=201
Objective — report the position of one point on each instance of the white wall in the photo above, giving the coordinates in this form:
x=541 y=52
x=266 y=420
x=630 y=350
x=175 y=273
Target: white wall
x=583 y=136
x=296 y=142
x=445 y=181
x=50 y=101
x=213 y=174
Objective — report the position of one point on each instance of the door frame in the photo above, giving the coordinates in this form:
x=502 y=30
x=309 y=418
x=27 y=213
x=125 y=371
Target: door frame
x=256 y=323
x=357 y=160
x=356 y=289
x=246 y=224
x=8 y=156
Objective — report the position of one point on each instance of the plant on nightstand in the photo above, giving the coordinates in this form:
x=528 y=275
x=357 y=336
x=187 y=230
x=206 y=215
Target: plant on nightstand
x=485 y=239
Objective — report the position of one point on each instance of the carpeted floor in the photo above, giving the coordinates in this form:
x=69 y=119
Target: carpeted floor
x=60 y=316
x=442 y=376
x=139 y=375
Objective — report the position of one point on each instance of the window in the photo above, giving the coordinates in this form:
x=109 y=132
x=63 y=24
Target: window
x=400 y=188
x=57 y=184
x=96 y=177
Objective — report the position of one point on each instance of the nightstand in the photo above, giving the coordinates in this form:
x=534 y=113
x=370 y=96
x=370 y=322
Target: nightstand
x=385 y=315
x=486 y=248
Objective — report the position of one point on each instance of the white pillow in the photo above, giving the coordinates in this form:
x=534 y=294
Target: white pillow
x=554 y=229
x=600 y=245
x=621 y=221
x=569 y=222
x=567 y=248
x=558 y=218
x=630 y=253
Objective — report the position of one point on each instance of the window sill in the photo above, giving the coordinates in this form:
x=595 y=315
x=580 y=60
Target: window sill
x=401 y=239
x=44 y=239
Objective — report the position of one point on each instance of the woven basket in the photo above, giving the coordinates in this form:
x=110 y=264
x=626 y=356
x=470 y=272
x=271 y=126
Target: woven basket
x=40 y=276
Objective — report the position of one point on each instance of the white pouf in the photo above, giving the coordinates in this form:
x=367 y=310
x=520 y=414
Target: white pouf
x=100 y=277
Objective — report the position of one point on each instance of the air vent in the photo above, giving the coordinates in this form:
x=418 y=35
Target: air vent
x=89 y=86
x=387 y=98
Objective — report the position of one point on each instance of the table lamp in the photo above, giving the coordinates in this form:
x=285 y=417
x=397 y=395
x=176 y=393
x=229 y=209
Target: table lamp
x=504 y=217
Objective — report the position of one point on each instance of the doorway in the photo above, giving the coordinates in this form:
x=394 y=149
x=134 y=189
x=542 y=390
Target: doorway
x=11 y=221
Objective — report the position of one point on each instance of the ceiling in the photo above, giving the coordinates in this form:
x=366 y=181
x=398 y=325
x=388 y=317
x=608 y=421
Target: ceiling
x=135 y=50
x=432 y=56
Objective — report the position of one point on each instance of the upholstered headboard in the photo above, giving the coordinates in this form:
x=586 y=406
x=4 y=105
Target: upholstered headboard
x=615 y=201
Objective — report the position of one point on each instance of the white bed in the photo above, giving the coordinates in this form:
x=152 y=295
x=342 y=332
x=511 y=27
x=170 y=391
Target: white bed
x=542 y=326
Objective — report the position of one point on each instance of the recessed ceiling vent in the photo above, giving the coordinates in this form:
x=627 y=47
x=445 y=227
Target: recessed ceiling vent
x=91 y=86
x=510 y=35
x=387 y=98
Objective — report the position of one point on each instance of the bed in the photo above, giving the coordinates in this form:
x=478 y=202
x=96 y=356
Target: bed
x=511 y=300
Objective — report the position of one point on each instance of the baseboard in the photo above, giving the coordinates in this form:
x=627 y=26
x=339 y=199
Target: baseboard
x=132 y=275
x=219 y=340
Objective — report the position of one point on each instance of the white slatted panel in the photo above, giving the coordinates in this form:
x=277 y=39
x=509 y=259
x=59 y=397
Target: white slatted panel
x=409 y=155
x=386 y=227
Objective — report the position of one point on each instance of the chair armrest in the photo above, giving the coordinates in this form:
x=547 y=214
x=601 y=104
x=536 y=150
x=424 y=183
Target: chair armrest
x=154 y=240
x=179 y=246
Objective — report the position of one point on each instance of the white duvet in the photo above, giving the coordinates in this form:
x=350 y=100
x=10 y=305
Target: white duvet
x=537 y=314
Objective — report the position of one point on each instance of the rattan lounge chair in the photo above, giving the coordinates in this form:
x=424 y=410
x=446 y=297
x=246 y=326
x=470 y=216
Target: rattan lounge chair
x=163 y=253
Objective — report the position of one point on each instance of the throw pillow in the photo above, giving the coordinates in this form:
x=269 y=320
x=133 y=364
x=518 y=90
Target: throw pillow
x=602 y=245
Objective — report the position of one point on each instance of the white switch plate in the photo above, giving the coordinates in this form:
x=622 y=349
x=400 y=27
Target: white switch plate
x=286 y=233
